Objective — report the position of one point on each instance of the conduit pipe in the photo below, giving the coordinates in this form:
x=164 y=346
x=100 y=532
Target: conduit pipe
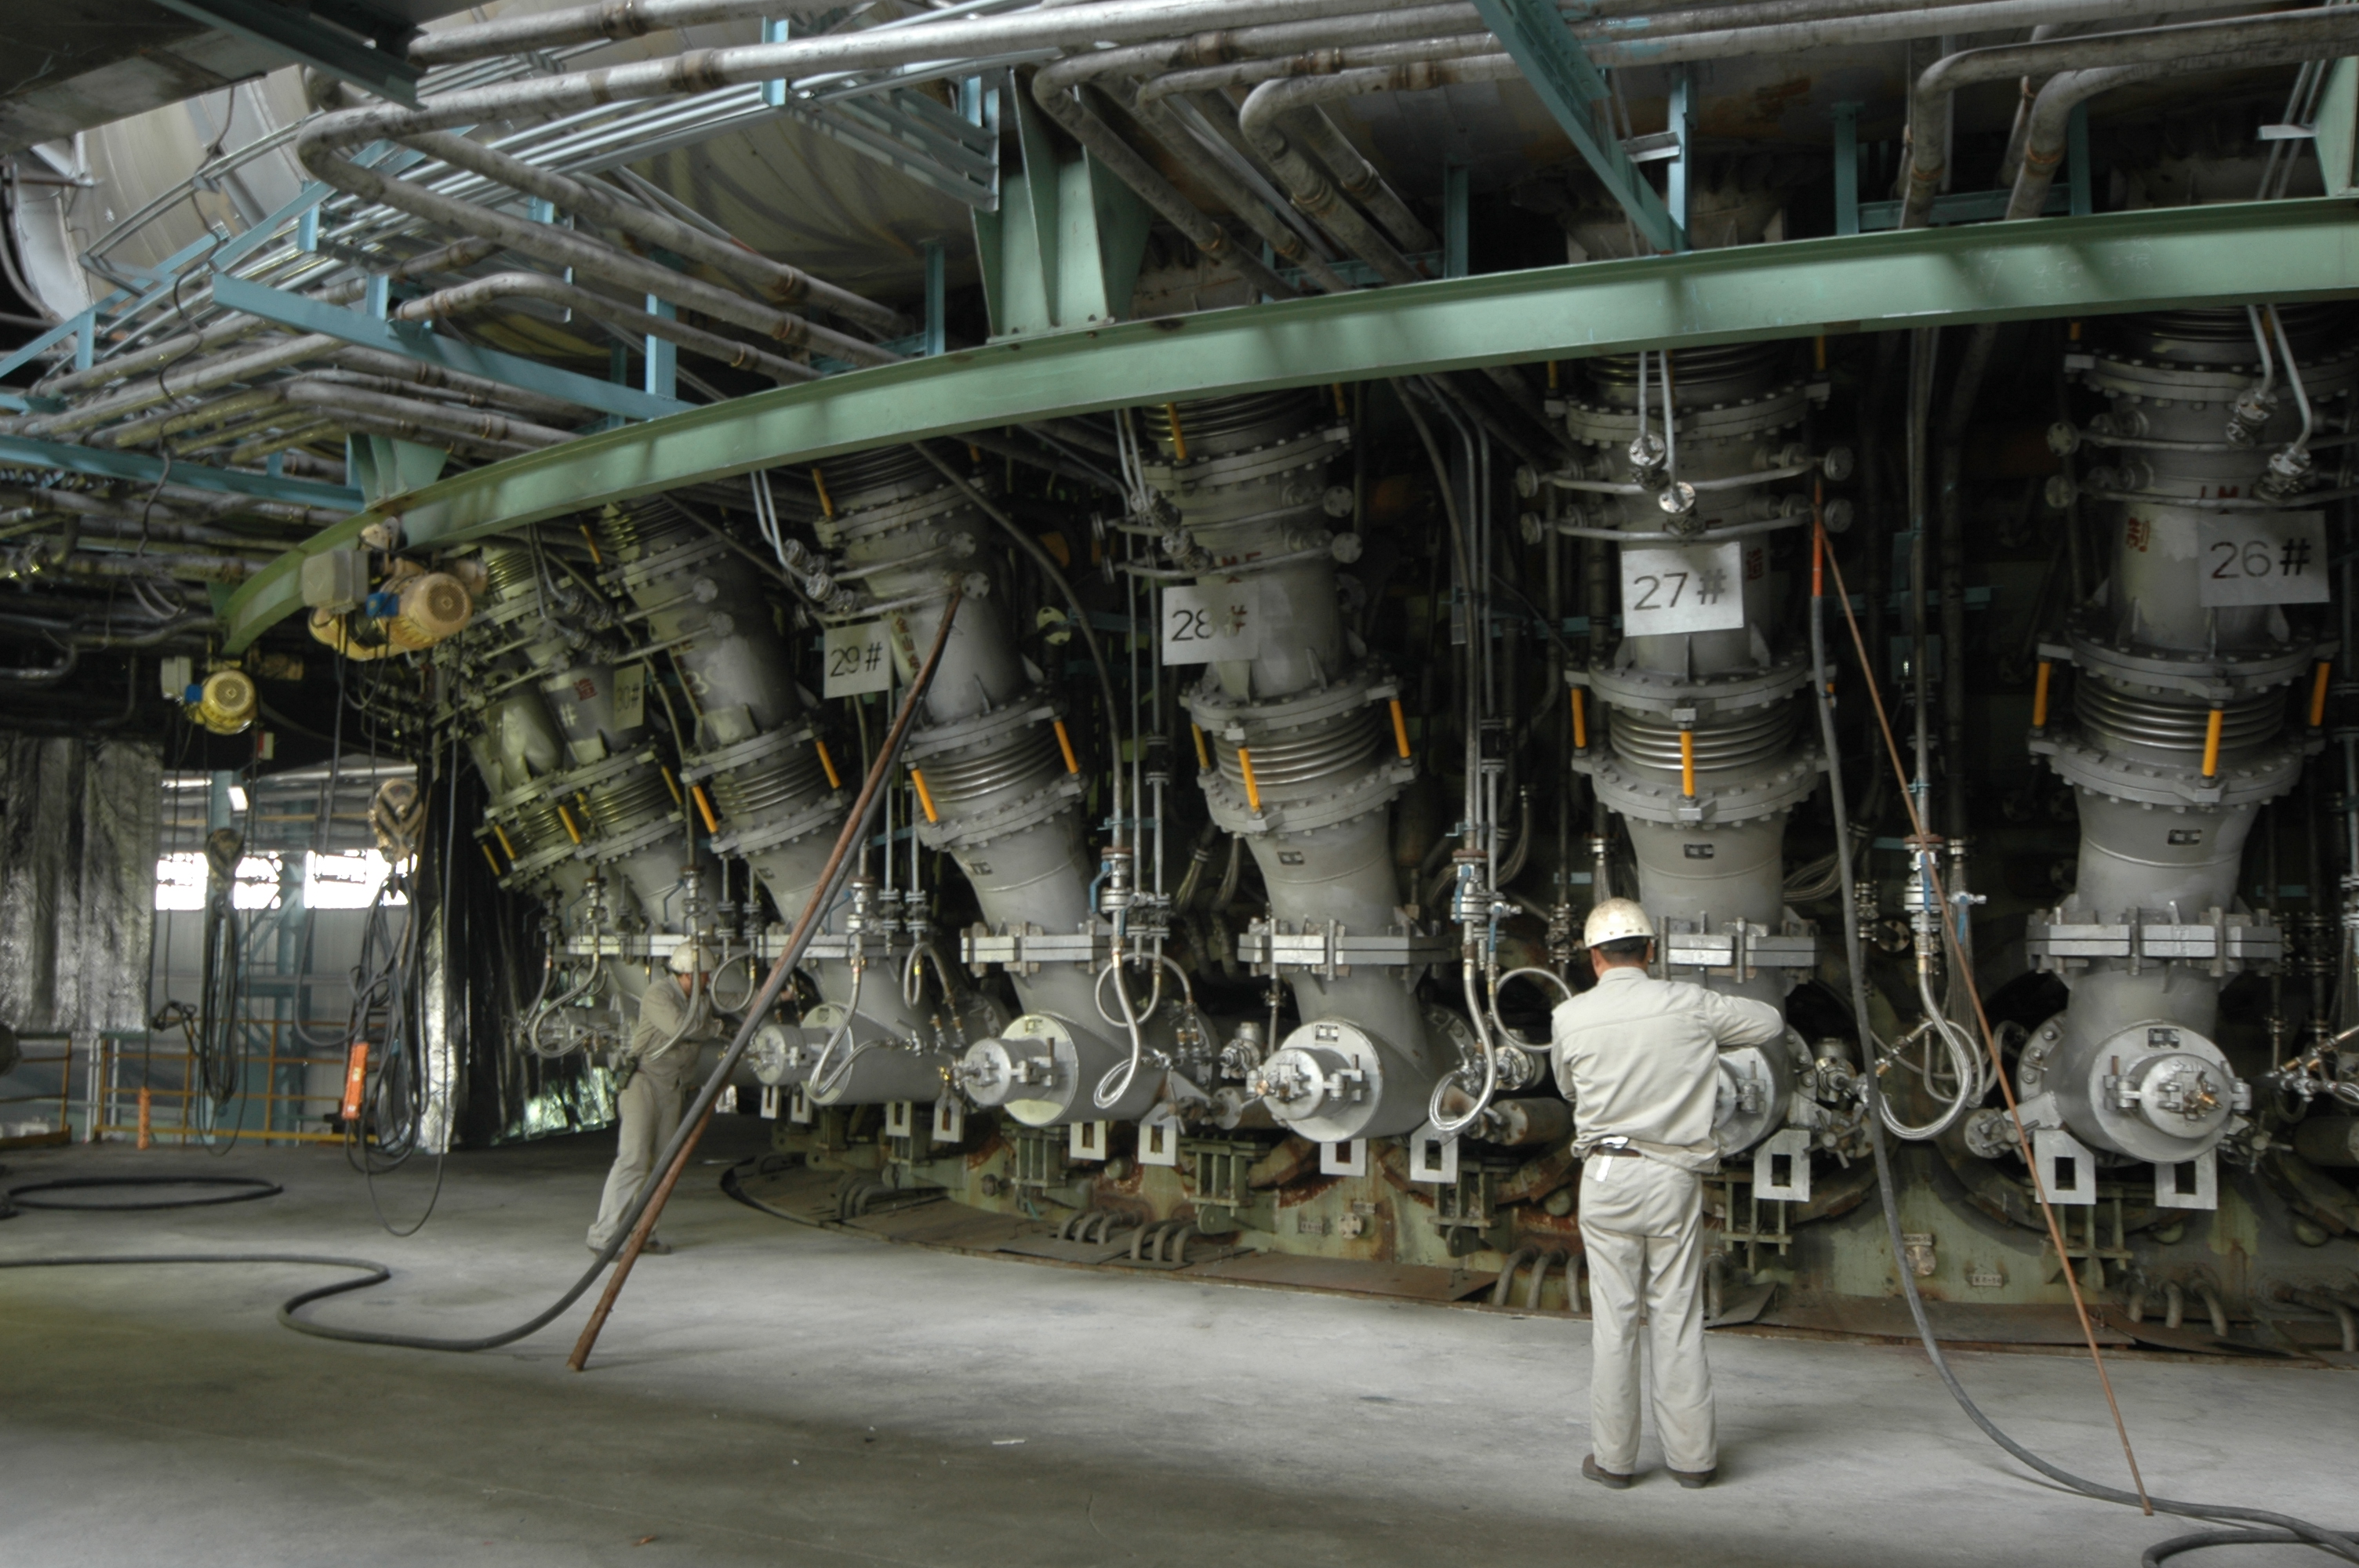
x=414 y=414
x=2281 y=37
x=1309 y=185
x=2047 y=126
x=776 y=281
x=172 y=351
x=1207 y=235
x=564 y=247
x=485 y=293
x=1283 y=240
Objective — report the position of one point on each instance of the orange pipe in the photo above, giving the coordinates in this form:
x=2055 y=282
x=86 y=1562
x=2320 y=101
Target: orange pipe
x=2039 y=695
x=672 y=783
x=1687 y=763
x=925 y=795
x=1065 y=744
x=1253 y=789
x=834 y=779
x=567 y=817
x=2317 y=694
x=1400 y=728
x=2211 y=744
x=501 y=835
x=1203 y=758
x=1553 y=375
x=1579 y=720
x=826 y=507
x=494 y=859
x=147 y=1104
x=704 y=808
x=590 y=539
x=1178 y=437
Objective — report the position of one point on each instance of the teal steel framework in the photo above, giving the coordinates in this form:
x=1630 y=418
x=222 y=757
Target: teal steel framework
x=2281 y=250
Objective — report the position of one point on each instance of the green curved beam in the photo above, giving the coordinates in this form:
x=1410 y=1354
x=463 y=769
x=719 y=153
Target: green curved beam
x=1922 y=277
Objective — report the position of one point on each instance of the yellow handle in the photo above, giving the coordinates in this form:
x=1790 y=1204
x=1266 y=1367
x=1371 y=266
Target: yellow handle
x=1065 y=744
x=2211 y=744
x=591 y=540
x=1400 y=728
x=1687 y=763
x=2317 y=694
x=672 y=784
x=834 y=779
x=1253 y=789
x=925 y=795
x=1203 y=758
x=1580 y=720
x=494 y=859
x=704 y=808
x=827 y=507
x=501 y=835
x=567 y=817
x=1178 y=437
x=2039 y=695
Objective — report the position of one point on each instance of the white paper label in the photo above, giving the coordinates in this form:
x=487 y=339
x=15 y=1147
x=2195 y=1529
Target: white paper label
x=2262 y=557
x=630 y=696
x=1201 y=626
x=858 y=659
x=1682 y=588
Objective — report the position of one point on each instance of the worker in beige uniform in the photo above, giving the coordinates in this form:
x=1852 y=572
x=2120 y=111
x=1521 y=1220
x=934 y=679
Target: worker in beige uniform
x=1639 y=1059
x=658 y=1071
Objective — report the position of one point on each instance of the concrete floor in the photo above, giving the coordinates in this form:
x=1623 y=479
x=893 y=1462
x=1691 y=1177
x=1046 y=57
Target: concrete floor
x=772 y=1394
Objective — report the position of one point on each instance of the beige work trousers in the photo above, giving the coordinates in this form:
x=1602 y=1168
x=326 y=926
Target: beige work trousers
x=1642 y=1222
x=650 y=1107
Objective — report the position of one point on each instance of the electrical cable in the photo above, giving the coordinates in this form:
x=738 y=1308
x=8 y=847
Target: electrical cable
x=244 y=1189
x=2278 y=1527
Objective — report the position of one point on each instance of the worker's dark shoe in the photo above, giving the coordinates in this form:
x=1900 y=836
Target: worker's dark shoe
x=662 y=1248
x=1694 y=1480
x=1611 y=1479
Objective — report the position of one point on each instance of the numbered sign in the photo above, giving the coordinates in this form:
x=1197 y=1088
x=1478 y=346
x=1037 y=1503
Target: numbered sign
x=2262 y=557
x=630 y=696
x=1683 y=587
x=858 y=659
x=1203 y=626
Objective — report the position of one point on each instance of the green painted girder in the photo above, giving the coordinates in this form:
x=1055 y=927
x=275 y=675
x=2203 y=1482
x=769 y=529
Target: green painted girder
x=1916 y=278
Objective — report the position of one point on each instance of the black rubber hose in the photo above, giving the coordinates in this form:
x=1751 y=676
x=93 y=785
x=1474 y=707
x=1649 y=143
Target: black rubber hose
x=247 y=1189
x=2280 y=1527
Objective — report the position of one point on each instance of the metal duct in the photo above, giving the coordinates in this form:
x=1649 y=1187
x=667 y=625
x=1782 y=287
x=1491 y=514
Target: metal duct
x=1705 y=755
x=2178 y=726
x=1303 y=766
x=1005 y=808
x=755 y=759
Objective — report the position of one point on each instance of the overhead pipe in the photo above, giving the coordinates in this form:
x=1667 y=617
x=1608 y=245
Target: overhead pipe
x=1207 y=235
x=775 y=280
x=316 y=147
x=1310 y=188
x=451 y=257
x=486 y=293
x=2279 y=37
x=417 y=415
x=1285 y=240
x=2047 y=129
x=1048 y=26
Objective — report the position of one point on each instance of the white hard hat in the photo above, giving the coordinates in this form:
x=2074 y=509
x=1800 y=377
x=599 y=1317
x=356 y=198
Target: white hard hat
x=687 y=958
x=1616 y=920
